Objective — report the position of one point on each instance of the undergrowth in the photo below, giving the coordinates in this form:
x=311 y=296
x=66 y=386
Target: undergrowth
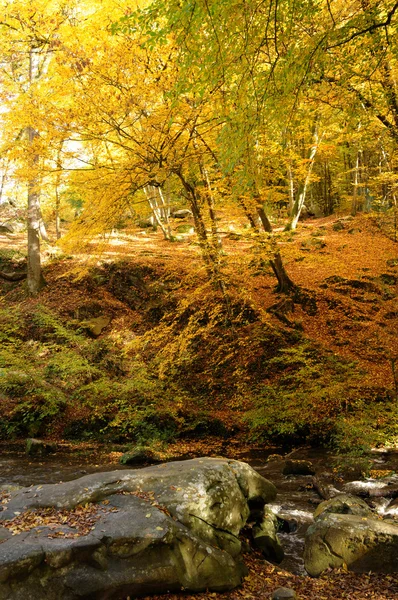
x=206 y=364
x=53 y=379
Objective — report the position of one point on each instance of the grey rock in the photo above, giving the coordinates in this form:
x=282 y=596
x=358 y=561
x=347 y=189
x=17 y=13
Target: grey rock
x=135 y=550
x=361 y=543
x=338 y=226
x=160 y=528
x=266 y=539
x=345 y=504
x=6 y=228
x=185 y=228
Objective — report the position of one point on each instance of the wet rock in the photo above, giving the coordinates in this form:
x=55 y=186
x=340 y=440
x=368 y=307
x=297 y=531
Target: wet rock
x=370 y=488
x=266 y=539
x=391 y=509
x=136 y=550
x=363 y=544
x=298 y=467
x=275 y=458
x=162 y=528
x=210 y=496
x=345 y=504
x=286 y=523
x=283 y=593
x=35 y=447
x=9 y=488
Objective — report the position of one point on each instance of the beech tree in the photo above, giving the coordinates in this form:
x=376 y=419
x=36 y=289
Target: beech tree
x=30 y=35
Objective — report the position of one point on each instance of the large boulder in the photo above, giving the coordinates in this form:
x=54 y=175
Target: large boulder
x=161 y=528
x=360 y=543
x=345 y=504
x=135 y=551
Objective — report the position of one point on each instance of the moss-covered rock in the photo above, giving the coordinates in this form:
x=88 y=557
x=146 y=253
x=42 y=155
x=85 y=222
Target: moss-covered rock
x=265 y=537
x=345 y=504
x=162 y=528
x=360 y=543
x=35 y=447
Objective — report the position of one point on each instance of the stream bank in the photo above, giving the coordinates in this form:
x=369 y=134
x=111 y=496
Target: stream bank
x=297 y=497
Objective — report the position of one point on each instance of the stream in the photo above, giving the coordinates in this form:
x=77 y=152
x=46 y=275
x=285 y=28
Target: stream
x=296 y=500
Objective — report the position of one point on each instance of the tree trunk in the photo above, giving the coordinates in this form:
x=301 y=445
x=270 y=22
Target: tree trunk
x=248 y=214
x=150 y=193
x=211 y=206
x=300 y=201
x=285 y=284
x=209 y=252
x=354 y=204
x=291 y=189
x=57 y=196
x=35 y=280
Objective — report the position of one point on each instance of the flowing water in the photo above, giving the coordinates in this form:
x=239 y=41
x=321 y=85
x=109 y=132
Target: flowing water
x=296 y=500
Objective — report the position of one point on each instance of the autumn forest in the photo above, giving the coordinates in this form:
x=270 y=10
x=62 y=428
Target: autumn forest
x=199 y=237
x=214 y=186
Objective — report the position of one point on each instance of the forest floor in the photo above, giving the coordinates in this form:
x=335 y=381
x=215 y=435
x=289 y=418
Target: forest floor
x=324 y=248
x=348 y=265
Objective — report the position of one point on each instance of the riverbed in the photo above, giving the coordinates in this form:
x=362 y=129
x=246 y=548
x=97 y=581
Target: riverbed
x=296 y=500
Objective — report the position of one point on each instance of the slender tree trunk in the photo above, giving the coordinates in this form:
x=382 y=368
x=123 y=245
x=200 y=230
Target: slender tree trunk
x=211 y=206
x=165 y=212
x=150 y=193
x=285 y=284
x=207 y=250
x=354 y=204
x=248 y=214
x=3 y=178
x=300 y=201
x=210 y=254
x=57 y=194
x=291 y=189
x=42 y=226
x=35 y=280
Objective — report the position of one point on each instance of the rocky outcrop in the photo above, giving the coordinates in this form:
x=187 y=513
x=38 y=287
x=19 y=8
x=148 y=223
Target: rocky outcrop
x=161 y=528
x=360 y=543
